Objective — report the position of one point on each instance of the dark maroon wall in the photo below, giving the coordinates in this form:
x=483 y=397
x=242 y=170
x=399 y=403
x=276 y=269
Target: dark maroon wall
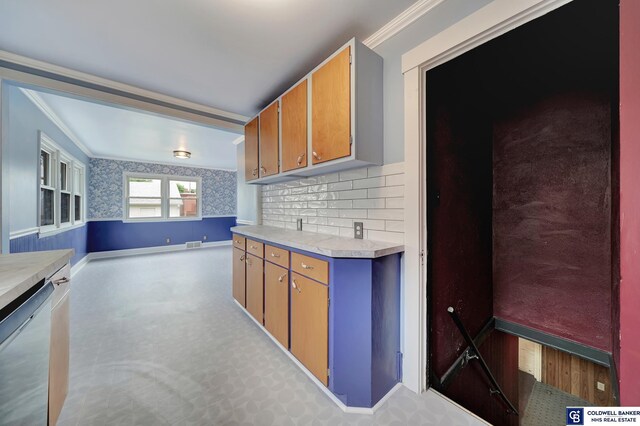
x=551 y=222
x=630 y=202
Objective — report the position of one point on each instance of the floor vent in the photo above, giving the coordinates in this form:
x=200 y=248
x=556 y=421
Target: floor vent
x=194 y=244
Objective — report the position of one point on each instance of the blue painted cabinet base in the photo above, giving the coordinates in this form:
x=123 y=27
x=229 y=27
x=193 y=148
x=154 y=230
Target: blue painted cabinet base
x=364 y=329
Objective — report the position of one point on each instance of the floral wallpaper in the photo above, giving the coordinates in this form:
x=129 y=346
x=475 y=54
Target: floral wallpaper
x=106 y=186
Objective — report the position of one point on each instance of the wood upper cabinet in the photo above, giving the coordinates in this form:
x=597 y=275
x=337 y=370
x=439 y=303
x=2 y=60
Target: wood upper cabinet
x=276 y=302
x=331 y=109
x=255 y=287
x=239 y=275
x=269 y=137
x=310 y=325
x=251 y=148
x=293 y=112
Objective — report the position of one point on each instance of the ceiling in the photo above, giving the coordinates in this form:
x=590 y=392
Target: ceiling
x=113 y=132
x=236 y=55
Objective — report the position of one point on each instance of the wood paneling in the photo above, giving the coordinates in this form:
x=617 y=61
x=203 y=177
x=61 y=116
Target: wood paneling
x=310 y=325
x=277 y=255
x=239 y=276
x=251 y=144
x=255 y=248
x=331 y=109
x=269 y=137
x=59 y=358
x=239 y=241
x=293 y=110
x=576 y=376
x=276 y=302
x=255 y=287
x=311 y=267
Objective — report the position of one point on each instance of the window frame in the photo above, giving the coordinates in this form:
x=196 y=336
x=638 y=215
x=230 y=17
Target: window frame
x=165 y=197
x=57 y=156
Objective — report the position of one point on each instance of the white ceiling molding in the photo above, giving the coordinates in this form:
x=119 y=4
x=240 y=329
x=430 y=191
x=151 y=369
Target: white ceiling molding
x=400 y=22
x=114 y=85
x=51 y=115
x=493 y=20
x=239 y=140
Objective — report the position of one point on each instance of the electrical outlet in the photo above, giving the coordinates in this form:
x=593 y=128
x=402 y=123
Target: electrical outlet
x=600 y=386
x=358 y=230
x=204 y=238
x=168 y=240
x=299 y=224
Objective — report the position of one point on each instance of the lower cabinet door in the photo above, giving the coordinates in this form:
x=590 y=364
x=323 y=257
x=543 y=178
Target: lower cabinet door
x=59 y=358
x=276 y=302
x=255 y=287
x=310 y=325
x=239 y=282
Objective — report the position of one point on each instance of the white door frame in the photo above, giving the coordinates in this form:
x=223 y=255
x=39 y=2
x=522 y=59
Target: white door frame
x=4 y=177
x=489 y=22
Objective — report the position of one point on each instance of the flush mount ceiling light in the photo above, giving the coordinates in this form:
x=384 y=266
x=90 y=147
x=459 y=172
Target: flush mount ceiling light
x=182 y=154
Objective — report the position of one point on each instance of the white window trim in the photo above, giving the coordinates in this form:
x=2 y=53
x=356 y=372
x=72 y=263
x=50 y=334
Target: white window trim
x=58 y=155
x=164 y=196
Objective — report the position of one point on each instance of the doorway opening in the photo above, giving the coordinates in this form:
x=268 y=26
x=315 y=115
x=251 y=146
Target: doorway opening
x=522 y=177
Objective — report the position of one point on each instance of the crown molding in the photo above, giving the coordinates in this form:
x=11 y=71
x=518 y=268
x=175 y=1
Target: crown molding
x=34 y=64
x=43 y=106
x=238 y=140
x=400 y=22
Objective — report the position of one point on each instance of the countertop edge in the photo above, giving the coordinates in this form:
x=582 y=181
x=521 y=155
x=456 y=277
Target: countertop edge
x=46 y=271
x=334 y=253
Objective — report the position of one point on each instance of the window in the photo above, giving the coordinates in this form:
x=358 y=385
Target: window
x=62 y=187
x=150 y=197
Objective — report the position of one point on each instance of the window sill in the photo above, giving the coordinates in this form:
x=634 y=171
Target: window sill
x=163 y=219
x=48 y=231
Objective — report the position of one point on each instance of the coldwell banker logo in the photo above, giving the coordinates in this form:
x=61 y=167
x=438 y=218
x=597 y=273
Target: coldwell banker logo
x=575 y=416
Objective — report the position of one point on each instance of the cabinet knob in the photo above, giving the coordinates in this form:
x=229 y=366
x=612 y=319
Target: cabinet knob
x=305 y=266
x=253 y=247
x=316 y=156
x=255 y=172
x=281 y=277
x=263 y=169
x=294 y=284
x=63 y=280
x=242 y=258
x=275 y=255
x=300 y=157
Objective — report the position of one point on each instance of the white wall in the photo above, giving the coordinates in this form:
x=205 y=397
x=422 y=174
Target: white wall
x=248 y=207
x=24 y=121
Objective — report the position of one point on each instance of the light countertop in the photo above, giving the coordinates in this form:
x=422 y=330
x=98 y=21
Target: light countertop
x=326 y=245
x=21 y=271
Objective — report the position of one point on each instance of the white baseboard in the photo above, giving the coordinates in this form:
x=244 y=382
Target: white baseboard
x=152 y=250
x=318 y=383
x=78 y=266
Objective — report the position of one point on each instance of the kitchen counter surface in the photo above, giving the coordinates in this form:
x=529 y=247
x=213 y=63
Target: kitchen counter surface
x=326 y=245
x=21 y=271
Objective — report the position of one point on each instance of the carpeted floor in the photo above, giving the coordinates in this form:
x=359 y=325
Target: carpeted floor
x=547 y=406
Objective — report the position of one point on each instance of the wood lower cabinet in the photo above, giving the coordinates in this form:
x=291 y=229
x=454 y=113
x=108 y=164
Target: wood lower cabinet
x=59 y=346
x=276 y=302
x=331 y=109
x=294 y=127
x=251 y=150
x=239 y=276
x=255 y=287
x=310 y=325
x=269 y=141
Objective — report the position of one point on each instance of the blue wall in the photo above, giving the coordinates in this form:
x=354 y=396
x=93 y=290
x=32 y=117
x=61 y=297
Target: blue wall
x=118 y=235
x=75 y=238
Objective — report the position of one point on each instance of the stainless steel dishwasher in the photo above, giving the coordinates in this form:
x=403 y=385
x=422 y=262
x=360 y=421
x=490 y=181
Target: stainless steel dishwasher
x=25 y=334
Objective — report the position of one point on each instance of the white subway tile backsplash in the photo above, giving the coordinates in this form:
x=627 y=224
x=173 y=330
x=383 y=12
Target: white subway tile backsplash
x=386 y=192
x=329 y=204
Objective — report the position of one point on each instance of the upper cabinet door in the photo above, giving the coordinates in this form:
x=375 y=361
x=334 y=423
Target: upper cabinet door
x=294 y=128
x=331 y=109
x=269 y=152
x=251 y=143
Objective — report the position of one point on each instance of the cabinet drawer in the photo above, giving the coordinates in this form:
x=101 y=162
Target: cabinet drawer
x=255 y=248
x=239 y=242
x=277 y=255
x=310 y=267
x=61 y=281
